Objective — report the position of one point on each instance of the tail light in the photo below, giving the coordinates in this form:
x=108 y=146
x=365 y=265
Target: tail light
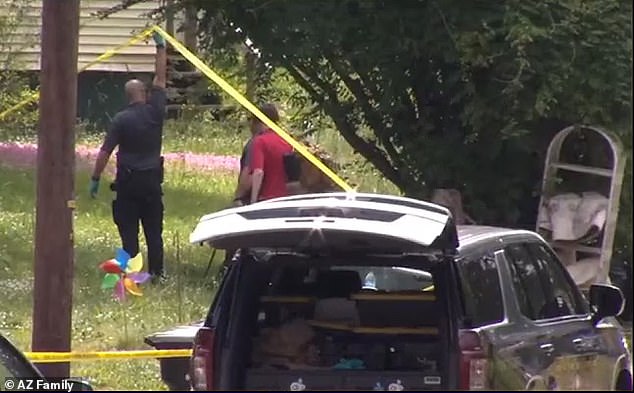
x=202 y=362
x=473 y=362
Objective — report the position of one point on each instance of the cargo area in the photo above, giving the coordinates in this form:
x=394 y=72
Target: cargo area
x=313 y=325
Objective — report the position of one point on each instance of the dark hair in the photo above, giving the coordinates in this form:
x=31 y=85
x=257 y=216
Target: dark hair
x=270 y=111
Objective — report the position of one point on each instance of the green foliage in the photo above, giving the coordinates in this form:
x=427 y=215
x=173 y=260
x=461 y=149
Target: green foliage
x=446 y=93
x=14 y=84
x=197 y=131
x=21 y=123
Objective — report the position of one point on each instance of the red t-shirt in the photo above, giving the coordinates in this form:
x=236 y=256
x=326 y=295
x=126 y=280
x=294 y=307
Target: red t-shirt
x=267 y=154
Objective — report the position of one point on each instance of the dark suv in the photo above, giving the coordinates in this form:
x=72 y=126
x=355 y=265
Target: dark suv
x=365 y=291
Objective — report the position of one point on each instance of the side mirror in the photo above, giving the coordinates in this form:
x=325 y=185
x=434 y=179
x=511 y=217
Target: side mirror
x=606 y=301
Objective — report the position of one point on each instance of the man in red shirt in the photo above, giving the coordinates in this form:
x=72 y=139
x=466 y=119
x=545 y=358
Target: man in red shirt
x=268 y=174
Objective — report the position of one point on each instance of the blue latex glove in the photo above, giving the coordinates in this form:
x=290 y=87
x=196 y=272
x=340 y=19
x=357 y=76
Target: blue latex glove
x=158 y=39
x=94 y=187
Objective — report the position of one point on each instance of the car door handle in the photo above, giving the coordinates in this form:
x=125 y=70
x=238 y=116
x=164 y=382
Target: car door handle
x=547 y=348
x=581 y=344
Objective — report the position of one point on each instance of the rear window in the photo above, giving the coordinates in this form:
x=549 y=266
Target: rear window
x=373 y=296
x=392 y=278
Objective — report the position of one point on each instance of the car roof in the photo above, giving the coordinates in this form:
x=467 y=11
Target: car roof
x=472 y=235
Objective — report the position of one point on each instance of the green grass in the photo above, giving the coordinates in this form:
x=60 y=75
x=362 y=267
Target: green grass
x=97 y=318
x=199 y=135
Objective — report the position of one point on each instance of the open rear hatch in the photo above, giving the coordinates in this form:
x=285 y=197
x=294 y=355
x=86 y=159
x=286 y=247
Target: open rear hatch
x=352 y=294
x=375 y=224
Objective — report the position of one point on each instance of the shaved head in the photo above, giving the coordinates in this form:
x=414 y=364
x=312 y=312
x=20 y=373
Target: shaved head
x=135 y=91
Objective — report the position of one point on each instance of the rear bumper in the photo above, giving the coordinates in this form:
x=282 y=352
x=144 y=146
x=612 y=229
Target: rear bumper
x=174 y=371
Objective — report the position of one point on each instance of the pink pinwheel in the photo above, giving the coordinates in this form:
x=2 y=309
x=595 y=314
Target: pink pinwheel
x=124 y=274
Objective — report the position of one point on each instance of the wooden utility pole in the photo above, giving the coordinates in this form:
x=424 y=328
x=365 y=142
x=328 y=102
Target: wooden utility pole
x=53 y=292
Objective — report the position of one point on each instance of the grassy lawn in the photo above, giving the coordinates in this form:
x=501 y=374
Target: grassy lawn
x=97 y=318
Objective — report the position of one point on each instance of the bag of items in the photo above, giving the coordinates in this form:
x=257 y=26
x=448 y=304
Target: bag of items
x=289 y=346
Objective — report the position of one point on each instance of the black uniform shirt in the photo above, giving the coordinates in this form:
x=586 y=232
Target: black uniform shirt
x=138 y=131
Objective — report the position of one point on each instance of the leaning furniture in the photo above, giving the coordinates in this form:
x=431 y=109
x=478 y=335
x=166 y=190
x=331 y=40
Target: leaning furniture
x=579 y=205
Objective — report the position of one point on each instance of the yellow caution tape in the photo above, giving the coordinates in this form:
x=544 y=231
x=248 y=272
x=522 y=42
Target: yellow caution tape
x=252 y=108
x=105 y=56
x=63 y=357
x=218 y=80
x=19 y=105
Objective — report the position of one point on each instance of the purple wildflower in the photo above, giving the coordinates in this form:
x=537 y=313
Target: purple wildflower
x=24 y=155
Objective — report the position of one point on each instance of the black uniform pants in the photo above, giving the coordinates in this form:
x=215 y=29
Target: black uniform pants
x=140 y=200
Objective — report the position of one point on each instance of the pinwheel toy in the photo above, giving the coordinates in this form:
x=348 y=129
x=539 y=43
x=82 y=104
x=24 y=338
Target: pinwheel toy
x=124 y=274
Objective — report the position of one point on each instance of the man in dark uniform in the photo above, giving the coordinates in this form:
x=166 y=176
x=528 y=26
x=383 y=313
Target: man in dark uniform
x=138 y=131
